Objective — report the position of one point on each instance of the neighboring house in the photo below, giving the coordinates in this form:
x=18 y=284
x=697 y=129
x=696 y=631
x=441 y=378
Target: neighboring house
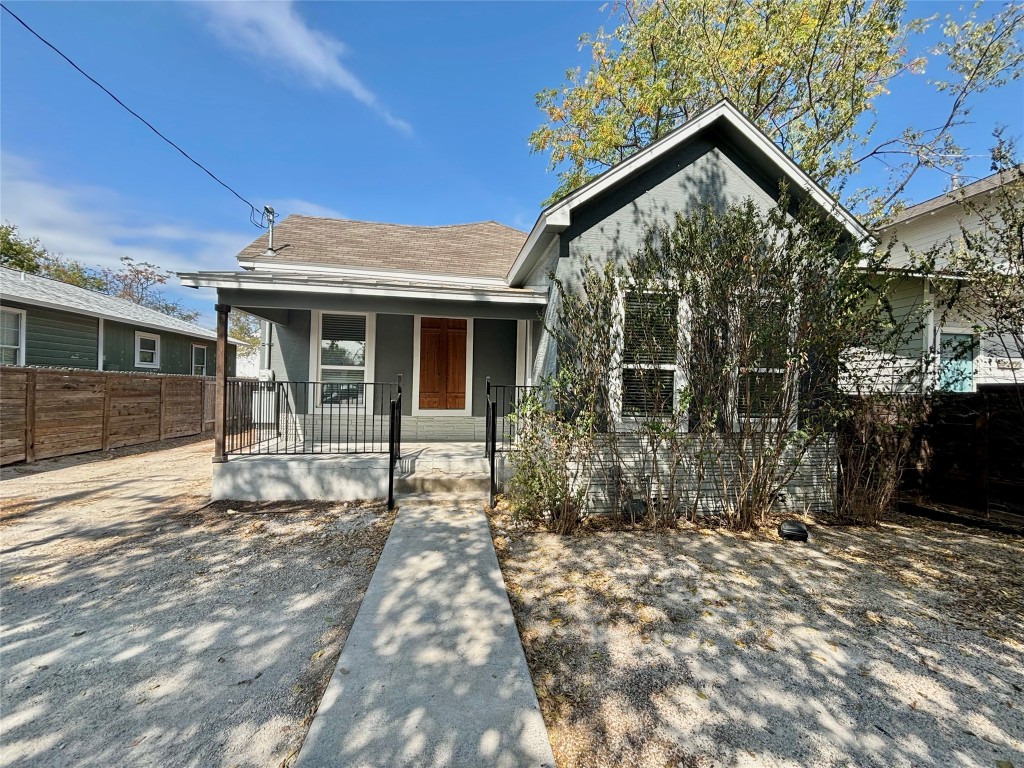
x=446 y=308
x=964 y=358
x=46 y=322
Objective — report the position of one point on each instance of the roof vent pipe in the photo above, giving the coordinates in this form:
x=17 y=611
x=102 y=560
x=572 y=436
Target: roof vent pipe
x=269 y=213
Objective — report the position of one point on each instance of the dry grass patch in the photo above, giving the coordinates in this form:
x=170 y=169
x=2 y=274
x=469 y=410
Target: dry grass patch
x=901 y=645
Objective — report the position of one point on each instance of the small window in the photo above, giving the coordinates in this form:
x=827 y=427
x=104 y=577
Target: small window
x=198 y=360
x=12 y=337
x=650 y=343
x=147 y=350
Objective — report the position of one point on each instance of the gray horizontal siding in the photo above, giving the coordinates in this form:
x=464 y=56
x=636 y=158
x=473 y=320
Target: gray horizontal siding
x=704 y=476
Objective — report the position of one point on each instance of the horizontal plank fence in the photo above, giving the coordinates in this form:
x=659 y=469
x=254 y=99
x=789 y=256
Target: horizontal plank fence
x=970 y=453
x=48 y=412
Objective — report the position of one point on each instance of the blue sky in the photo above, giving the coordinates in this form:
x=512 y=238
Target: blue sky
x=406 y=112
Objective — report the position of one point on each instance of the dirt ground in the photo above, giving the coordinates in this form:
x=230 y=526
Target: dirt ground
x=143 y=627
x=901 y=645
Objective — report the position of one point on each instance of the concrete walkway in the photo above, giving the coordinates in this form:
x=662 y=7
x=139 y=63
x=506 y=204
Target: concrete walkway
x=433 y=672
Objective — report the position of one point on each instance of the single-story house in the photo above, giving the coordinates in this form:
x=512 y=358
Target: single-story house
x=445 y=310
x=45 y=322
x=965 y=358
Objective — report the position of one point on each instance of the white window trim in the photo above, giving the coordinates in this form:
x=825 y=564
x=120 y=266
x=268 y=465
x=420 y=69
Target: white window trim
x=21 y=332
x=156 y=353
x=315 y=330
x=416 y=411
x=619 y=366
x=791 y=380
x=957 y=329
x=206 y=357
x=679 y=380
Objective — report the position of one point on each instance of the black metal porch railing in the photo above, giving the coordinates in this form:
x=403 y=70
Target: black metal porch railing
x=311 y=417
x=503 y=402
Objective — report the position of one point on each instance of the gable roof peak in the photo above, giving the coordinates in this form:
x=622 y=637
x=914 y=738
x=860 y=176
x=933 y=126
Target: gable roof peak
x=558 y=216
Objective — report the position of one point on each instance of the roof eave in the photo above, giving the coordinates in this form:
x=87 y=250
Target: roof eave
x=238 y=281
x=34 y=302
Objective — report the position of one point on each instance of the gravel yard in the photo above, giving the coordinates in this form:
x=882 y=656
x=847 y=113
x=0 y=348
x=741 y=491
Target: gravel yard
x=142 y=627
x=896 y=646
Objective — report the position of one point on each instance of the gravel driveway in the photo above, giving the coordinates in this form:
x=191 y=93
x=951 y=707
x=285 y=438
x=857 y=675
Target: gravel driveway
x=142 y=628
x=891 y=647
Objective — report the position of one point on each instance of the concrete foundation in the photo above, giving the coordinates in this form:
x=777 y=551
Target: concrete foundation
x=295 y=478
x=424 y=467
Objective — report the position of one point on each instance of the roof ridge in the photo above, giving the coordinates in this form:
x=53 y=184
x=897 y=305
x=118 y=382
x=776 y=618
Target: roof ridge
x=405 y=226
x=65 y=282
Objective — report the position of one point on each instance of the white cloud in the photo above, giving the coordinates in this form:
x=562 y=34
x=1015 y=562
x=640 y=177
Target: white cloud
x=305 y=208
x=275 y=31
x=97 y=227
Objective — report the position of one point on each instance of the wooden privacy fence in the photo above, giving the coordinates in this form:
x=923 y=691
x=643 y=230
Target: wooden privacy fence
x=47 y=412
x=971 y=452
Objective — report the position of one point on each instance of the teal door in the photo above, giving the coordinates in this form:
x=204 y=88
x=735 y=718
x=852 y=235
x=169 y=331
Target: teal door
x=956 y=371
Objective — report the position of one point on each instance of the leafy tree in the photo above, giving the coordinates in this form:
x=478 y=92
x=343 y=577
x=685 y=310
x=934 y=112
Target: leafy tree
x=138 y=282
x=30 y=256
x=19 y=253
x=807 y=72
x=245 y=328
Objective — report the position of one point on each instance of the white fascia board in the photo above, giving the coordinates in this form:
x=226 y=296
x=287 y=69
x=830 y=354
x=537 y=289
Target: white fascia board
x=378 y=274
x=483 y=295
x=205 y=333
x=560 y=213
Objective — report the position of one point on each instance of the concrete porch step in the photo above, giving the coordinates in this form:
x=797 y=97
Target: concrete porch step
x=443 y=482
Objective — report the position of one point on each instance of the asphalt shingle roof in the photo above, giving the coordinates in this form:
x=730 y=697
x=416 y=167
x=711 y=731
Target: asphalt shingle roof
x=33 y=290
x=957 y=195
x=483 y=249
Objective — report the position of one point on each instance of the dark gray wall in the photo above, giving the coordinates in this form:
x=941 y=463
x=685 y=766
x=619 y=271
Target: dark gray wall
x=289 y=347
x=706 y=171
x=494 y=355
x=393 y=352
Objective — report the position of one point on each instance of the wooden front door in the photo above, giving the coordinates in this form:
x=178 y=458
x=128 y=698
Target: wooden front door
x=442 y=364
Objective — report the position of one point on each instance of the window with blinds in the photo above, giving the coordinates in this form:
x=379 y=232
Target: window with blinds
x=650 y=341
x=11 y=334
x=342 y=358
x=761 y=387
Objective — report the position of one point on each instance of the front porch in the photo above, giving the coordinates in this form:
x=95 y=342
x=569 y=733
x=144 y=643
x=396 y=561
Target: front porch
x=457 y=468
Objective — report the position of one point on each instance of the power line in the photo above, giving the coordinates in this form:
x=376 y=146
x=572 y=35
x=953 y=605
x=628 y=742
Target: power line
x=255 y=215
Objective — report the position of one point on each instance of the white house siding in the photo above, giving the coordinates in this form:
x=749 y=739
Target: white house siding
x=917 y=237
x=896 y=370
x=997 y=360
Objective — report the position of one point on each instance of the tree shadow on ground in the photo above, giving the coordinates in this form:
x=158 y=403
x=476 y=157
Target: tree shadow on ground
x=174 y=633
x=894 y=646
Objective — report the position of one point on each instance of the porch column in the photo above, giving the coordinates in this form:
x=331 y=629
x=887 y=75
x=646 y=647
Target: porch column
x=220 y=414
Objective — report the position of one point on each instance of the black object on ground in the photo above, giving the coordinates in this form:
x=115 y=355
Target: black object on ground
x=793 y=530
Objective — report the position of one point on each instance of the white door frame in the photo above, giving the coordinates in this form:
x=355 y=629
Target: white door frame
x=416 y=411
